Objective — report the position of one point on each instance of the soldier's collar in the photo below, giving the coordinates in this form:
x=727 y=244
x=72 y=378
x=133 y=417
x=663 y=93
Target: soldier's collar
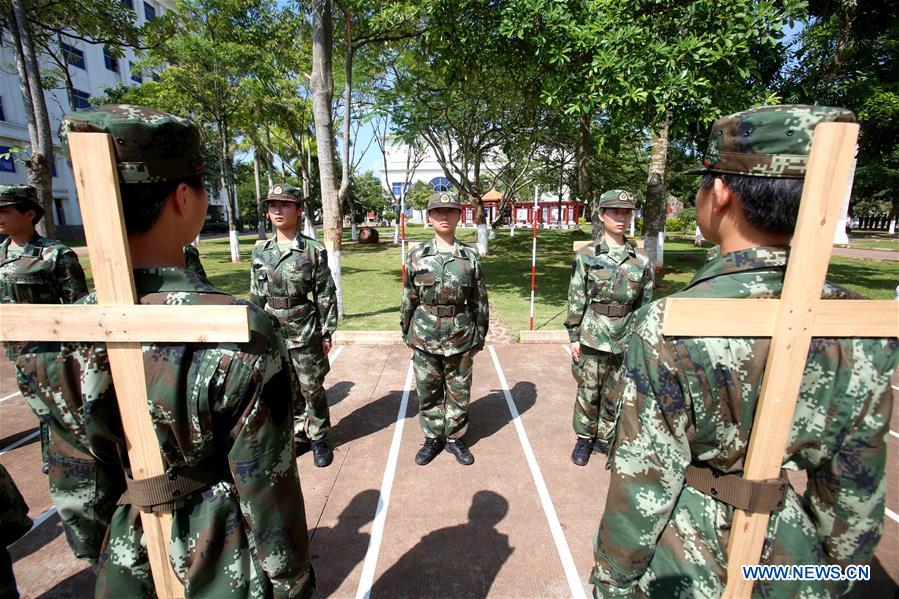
x=32 y=248
x=603 y=247
x=430 y=247
x=757 y=258
x=170 y=279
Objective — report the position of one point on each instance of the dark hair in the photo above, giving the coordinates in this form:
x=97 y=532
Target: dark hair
x=38 y=212
x=771 y=204
x=142 y=203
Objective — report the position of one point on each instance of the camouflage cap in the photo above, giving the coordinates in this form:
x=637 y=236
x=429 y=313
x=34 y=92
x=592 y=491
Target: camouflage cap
x=11 y=195
x=151 y=146
x=444 y=200
x=617 y=198
x=771 y=141
x=285 y=193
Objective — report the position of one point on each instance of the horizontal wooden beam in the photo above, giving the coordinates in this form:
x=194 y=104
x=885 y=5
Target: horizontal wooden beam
x=151 y=324
x=701 y=317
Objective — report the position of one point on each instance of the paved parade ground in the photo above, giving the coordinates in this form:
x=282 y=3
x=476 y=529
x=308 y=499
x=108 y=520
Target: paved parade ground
x=518 y=523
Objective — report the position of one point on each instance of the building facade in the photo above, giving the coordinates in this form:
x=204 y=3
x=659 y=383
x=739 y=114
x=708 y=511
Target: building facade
x=92 y=69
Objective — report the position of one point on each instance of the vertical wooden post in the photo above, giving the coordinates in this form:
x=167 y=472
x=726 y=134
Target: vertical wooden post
x=96 y=178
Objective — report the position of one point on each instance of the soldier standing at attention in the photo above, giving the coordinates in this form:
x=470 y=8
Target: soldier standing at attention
x=444 y=319
x=291 y=280
x=609 y=280
x=34 y=270
x=688 y=403
x=219 y=409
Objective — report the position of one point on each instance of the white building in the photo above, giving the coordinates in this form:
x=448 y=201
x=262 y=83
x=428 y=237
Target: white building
x=430 y=172
x=92 y=70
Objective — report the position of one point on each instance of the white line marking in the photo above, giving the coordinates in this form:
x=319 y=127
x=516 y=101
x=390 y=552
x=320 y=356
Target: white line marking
x=21 y=441
x=377 y=528
x=574 y=581
x=894 y=433
x=892 y=515
x=40 y=520
x=333 y=355
x=10 y=396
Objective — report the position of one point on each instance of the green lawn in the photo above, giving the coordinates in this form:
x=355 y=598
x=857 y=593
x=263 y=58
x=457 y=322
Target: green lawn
x=371 y=275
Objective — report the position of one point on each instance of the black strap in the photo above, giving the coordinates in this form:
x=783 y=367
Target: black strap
x=443 y=310
x=284 y=303
x=614 y=310
x=167 y=492
x=757 y=496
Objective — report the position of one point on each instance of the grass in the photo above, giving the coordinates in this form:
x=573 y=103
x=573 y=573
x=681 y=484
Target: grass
x=875 y=240
x=371 y=275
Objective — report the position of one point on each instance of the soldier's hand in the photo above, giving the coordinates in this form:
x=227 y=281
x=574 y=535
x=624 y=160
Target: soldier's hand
x=326 y=346
x=576 y=352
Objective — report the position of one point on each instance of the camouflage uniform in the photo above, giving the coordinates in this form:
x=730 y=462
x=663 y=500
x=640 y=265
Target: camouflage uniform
x=217 y=408
x=692 y=401
x=442 y=345
x=192 y=261
x=14 y=522
x=45 y=272
x=600 y=281
x=300 y=276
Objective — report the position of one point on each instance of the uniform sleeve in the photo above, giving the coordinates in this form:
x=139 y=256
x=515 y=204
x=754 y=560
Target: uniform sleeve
x=577 y=299
x=325 y=295
x=257 y=296
x=410 y=299
x=648 y=465
x=649 y=277
x=845 y=497
x=69 y=276
x=263 y=464
x=192 y=261
x=478 y=304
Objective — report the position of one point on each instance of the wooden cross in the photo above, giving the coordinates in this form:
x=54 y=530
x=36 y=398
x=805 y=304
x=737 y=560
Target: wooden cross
x=122 y=325
x=791 y=322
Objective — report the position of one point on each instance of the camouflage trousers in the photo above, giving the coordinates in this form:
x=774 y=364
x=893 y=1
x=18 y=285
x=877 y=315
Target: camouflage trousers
x=312 y=420
x=443 y=384
x=595 y=412
x=14 y=522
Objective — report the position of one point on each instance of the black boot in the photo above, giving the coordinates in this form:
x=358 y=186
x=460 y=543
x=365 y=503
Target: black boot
x=428 y=451
x=582 y=450
x=600 y=446
x=322 y=454
x=458 y=449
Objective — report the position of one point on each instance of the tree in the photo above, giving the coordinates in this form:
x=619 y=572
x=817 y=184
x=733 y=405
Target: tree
x=368 y=195
x=38 y=27
x=419 y=195
x=666 y=66
x=415 y=154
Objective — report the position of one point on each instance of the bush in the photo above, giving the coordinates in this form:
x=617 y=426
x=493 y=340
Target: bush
x=389 y=215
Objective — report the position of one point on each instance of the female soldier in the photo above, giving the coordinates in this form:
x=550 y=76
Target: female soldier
x=609 y=280
x=291 y=280
x=33 y=269
x=444 y=320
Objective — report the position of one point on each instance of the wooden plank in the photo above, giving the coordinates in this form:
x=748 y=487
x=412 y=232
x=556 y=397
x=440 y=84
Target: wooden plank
x=701 y=317
x=833 y=148
x=93 y=323
x=96 y=178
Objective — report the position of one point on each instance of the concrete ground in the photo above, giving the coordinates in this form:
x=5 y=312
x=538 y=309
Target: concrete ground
x=518 y=523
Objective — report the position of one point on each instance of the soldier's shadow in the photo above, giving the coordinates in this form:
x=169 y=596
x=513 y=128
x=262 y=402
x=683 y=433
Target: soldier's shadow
x=456 y=561
x=490 y=413
x=367 y=419
x=338 y=549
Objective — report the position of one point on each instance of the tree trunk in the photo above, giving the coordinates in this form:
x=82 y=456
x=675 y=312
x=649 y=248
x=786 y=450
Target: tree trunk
x=39 y=165
x=656 y=195
x=322 y=94
x=229 y=192
x=260 y=209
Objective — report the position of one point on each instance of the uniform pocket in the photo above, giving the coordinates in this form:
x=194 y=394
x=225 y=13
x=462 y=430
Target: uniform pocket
x=33 y=292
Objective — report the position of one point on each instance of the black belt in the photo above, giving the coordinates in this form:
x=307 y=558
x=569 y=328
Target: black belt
x=757 y=496
x=284 y=303
x=615 y=310
x=442 y=310
x=167 y=492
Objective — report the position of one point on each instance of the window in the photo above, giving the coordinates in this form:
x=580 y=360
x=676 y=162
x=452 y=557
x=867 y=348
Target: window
x=2 y=114
x=82 y=99
x=60 y=213
x=135 y=73
x=112 y=63
x=6 y=164
x=73 y=56
x=129 y=3
x=149 y=11
x=441 y=184
x=53 y=167
x=398 y=189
